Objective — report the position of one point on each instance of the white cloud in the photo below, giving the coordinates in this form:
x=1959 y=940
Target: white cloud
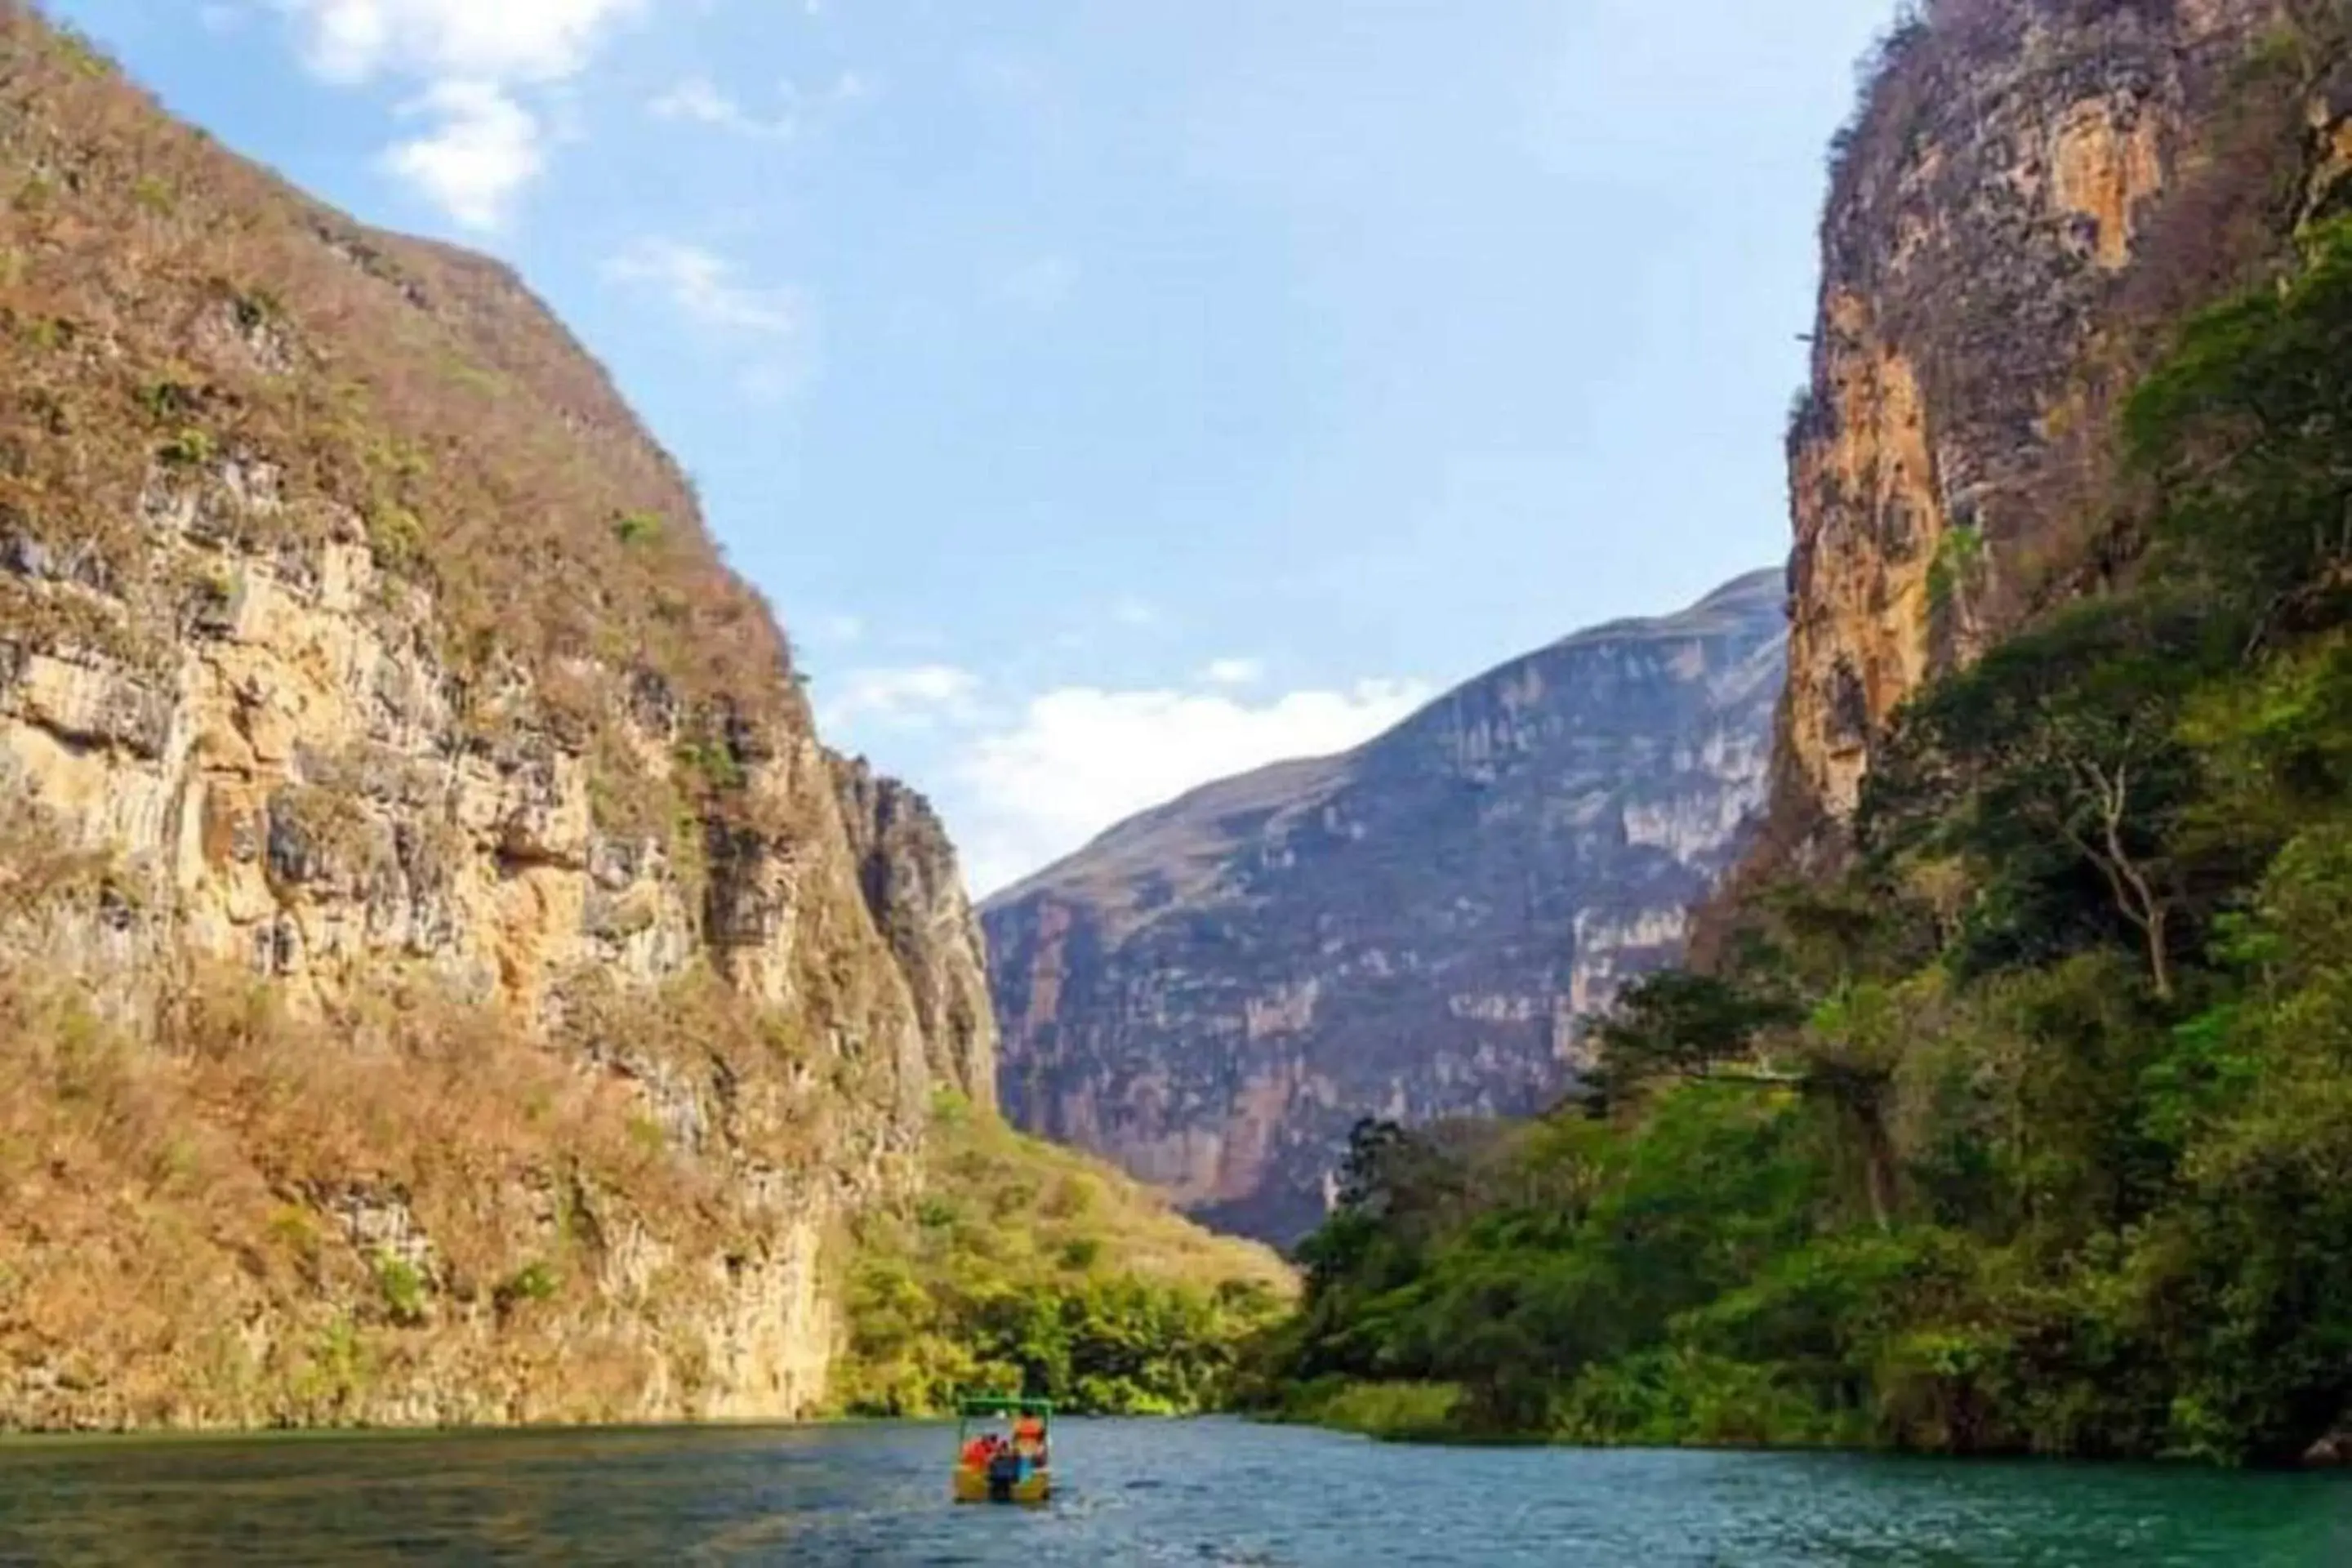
x=698 y=100
x=705 y=287
x=1233 y=672
x=708 y=290
x=482 y=40
x=918 y=696
x=469 y=61
x=485 y=148
x=1081 y=759
x=1025 y=782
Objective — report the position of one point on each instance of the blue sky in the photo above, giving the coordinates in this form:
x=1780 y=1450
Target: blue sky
x=1112 y=394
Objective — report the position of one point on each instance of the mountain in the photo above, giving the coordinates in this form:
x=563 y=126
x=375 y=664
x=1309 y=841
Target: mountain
x=2003 y=1110
x=1212 y=992
x=2032 y=196
x=914 y=889
x=443 y=976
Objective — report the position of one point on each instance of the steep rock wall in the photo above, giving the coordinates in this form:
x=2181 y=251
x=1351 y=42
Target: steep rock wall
x=437 y=980
x=914 y=890
x=1213 y=992
x=2029 y=187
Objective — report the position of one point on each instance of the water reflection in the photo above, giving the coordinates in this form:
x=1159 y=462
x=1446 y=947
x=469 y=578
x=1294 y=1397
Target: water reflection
x=1194 y=1493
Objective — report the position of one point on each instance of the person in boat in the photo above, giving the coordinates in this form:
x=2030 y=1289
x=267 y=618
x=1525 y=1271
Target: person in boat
x=1029 y=1438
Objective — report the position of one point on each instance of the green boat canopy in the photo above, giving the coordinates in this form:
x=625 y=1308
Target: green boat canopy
x=998 y=1404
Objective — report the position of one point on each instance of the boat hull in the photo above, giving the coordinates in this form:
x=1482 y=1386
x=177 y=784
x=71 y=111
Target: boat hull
x=975 y=1485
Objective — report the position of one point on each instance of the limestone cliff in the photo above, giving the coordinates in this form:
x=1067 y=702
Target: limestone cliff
x=438 y=981
x=1211 y=994
x=914 y=890
x=2032 y=191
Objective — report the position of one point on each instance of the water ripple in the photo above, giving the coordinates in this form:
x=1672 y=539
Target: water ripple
x=1197 y=1493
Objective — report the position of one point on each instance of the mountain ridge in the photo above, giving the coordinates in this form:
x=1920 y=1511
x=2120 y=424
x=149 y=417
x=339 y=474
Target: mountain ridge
x=1295 y=778
x=1163 y=993
x=444 y=979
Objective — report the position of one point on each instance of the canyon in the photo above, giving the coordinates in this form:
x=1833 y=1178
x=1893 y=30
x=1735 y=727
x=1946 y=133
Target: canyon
x=444 y=977
x=1213 y=992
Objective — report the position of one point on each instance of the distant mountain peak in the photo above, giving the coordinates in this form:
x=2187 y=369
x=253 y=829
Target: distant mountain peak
x=1213 y=991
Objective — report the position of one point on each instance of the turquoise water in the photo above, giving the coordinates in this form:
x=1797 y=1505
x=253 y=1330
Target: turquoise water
x=1197 y=1493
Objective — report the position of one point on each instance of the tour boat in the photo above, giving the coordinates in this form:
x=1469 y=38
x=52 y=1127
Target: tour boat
x=1005 y=1459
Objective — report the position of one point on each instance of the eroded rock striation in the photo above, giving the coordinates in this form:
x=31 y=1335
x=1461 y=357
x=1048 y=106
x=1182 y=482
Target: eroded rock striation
x=1212 y=992
x=914 y=889
x=2032 y=191
x=443 y=978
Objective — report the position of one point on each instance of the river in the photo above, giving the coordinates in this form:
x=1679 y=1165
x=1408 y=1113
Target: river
x=1195 y=1493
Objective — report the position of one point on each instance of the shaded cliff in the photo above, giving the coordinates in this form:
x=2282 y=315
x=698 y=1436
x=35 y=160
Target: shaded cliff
x=914 y=890
x=1212 y=992
x=438 y=981
x=2033 y=194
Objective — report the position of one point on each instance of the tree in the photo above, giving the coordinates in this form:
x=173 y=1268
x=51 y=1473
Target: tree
x=1849 y=1053
x=1368 y=1171
x=2068 y=734
x=1676 y=1024
x=2244 y=433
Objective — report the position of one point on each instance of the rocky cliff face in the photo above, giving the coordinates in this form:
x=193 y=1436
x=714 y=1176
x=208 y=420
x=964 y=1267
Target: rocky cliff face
x=442 y=976
x=1213 y=992
x=2032 y=190
x=914 y=890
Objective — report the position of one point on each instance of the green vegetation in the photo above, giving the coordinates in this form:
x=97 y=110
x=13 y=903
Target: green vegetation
x=637 y=528
x=532 y=1282
x=2030 y=1132
x=79 y=53
x=213 y=382
x=1958 y=554
x=403 y=1287
x=1027 y=1267
x=1401 y=1412
x=191 y=447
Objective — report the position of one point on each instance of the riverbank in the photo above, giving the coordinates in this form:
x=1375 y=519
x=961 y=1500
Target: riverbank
x=1436 y=1413
x=1392 y=1412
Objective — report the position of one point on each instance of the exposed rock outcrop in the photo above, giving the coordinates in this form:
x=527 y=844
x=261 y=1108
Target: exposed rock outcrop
x=438 y=981
x=914 y=893
x=2033 y=189
x=1211 y=994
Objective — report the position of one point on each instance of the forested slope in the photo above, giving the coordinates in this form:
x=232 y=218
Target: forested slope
x=2021 y=1123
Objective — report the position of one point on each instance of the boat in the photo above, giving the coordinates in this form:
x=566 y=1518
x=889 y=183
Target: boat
x=1005 y=1459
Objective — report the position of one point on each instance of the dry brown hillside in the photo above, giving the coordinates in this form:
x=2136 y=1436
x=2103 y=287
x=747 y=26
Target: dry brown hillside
x=436 y=982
